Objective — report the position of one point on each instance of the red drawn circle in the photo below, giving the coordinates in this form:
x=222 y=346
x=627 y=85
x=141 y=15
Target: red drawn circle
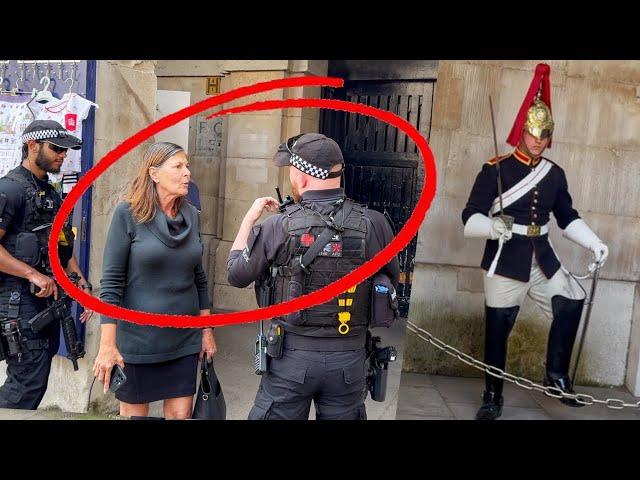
x=325 y=294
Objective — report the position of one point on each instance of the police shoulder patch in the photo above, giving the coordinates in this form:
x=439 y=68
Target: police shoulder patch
x=255 y=232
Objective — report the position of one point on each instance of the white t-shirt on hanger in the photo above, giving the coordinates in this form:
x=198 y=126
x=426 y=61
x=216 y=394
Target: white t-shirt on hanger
x=70 y=111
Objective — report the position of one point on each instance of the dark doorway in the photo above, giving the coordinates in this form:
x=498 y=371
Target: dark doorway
x=383 y=167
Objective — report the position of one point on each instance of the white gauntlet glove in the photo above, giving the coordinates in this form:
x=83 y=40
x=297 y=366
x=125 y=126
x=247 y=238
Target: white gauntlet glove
x=579 y=232
x=481 y=226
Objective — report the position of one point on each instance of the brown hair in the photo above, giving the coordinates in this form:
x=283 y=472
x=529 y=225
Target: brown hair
x=142 y=195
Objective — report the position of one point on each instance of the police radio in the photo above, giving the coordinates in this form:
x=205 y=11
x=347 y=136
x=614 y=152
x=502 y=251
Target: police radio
x=284 y=203
x=265 y=299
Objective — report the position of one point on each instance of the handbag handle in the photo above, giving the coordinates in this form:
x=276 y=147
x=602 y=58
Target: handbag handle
x=205 y=382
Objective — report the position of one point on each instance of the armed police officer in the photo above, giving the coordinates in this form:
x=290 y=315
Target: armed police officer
x=318 y=353
x=28 y=205
x=519 y=258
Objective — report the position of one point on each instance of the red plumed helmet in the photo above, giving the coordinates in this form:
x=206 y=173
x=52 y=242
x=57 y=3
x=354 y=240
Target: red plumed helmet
x=535 y=111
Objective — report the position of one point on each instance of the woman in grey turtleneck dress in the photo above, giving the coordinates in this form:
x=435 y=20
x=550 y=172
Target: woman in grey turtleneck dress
x=153 y=263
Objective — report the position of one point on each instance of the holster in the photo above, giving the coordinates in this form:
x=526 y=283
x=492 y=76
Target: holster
x=275 y=340
x=378 y=382
x=378 y=370
x=41 y=320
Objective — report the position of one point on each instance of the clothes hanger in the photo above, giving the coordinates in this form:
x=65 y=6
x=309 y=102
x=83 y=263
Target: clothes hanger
x=15 y=91
x=69 y=93
x=70 y=85
x=44 y=95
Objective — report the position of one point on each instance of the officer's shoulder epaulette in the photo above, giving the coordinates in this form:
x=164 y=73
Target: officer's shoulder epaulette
x=494 y=160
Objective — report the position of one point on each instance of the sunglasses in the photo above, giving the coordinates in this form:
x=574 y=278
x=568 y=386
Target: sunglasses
x=56 y=148
x=289 y=144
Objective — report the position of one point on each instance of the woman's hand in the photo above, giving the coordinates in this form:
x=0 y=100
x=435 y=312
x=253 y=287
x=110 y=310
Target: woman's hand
x=86 y=315
x=108 y=356
x=209 y=347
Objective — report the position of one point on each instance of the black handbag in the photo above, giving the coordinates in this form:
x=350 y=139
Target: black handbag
x=210 y=404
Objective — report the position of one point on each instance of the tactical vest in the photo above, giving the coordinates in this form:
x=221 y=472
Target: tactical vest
x=28 y=240
x=344 y=251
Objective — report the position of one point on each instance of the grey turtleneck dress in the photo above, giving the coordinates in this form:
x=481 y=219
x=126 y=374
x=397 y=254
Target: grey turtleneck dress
x=155 y=267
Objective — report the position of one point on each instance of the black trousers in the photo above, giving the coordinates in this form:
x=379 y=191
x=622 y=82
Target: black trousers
x=28 y=375
x=334 y=381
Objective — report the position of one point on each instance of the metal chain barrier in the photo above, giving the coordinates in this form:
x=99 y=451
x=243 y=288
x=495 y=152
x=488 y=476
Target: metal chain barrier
x=525 y=383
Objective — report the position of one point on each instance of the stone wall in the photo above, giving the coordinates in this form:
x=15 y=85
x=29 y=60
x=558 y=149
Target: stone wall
x=596 y=108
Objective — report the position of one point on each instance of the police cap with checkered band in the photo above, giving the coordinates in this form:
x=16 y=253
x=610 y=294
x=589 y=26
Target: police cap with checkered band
x=52 y=132
x=311 y=153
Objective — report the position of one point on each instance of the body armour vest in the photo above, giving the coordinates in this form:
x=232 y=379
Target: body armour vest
x=344 y=251
x=28 y=240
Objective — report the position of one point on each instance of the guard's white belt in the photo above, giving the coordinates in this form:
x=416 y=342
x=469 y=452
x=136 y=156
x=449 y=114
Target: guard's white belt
x=527 y=230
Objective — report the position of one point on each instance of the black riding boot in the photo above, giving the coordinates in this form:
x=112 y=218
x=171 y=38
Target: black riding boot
x=499 y=322
x=564 y=328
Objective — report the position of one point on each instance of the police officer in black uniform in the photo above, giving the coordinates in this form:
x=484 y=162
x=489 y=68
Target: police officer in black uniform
x=318 y=353
x=28 y=205
x=519 y=258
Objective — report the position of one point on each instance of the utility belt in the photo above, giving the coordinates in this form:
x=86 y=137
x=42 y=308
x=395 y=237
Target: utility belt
x=378 y=365
x=14 y=342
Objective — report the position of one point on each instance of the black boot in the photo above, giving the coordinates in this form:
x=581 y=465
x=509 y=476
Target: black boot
x=492 y=402
x=499 y=322
x=563 y=383
x=564 y=328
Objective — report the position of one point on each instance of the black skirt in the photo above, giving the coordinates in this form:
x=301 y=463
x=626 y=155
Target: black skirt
x=150 y=382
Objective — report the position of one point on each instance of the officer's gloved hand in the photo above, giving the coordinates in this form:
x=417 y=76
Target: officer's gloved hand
x=579 y=232
x=499 y=229
x=601 y=252
x=481 y=226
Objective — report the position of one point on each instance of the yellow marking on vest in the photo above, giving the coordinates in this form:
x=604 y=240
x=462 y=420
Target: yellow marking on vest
x=341 y=302
x=352 y=289
x=343 y=318
x=349 y=302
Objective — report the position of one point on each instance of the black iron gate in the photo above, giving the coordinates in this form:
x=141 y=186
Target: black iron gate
x=383 y=167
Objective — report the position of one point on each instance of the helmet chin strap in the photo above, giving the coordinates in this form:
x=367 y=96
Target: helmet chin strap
x=523 y=146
